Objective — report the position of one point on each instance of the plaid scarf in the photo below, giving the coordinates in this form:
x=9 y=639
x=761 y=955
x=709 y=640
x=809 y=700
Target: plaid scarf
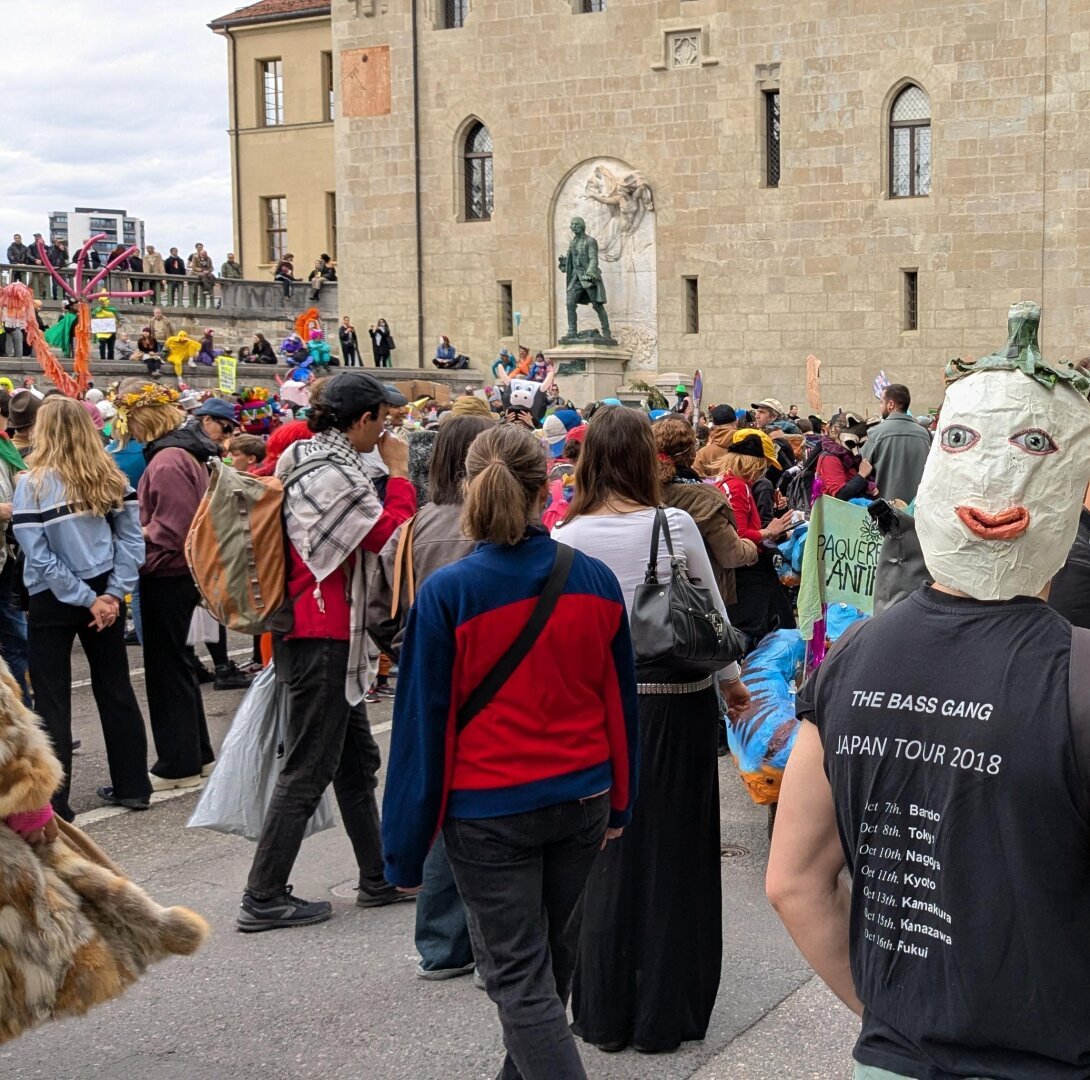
x=329 y=511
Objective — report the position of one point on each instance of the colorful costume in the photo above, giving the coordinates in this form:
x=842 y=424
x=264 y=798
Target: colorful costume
x=180 y=348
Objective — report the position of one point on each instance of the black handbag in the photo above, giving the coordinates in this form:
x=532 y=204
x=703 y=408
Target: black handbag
x=678 y=633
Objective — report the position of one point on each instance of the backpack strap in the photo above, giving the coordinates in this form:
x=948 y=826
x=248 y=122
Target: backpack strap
x=1078 y=695
x=505 y=667
x=404 y=552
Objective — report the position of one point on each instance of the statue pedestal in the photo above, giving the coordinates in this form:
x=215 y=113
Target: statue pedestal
x=589 y=372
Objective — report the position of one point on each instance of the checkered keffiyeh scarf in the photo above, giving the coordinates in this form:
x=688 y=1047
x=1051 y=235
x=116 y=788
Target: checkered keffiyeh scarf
x=329 y=511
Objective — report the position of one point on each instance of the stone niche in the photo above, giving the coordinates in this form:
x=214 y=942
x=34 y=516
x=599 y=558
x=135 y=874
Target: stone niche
x=618 y=205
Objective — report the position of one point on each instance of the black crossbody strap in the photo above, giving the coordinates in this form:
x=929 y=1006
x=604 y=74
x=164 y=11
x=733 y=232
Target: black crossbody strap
x=506 y=665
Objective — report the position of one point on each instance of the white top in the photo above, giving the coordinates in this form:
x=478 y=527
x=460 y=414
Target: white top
x=623 y=543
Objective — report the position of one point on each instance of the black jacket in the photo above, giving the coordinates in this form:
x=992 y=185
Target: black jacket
x=173 y=264
x=1070 y=592
x=58 y=256
x=92 y=260
x=189 y=437
x=348 y=337
x=136 y=263
x=17 y=254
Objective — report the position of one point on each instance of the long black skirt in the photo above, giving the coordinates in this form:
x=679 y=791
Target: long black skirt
x=652 y=939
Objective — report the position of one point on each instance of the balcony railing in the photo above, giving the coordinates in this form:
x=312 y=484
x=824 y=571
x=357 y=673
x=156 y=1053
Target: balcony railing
x=240 y=297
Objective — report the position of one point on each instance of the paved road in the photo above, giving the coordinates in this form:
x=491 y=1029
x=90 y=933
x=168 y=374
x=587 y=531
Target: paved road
x=339 y=1001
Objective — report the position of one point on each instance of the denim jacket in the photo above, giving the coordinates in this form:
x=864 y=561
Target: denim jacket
x=65 y=546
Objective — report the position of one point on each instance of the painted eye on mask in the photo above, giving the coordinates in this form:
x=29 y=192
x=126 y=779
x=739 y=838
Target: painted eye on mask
x=1035 y=441
x=957 y=438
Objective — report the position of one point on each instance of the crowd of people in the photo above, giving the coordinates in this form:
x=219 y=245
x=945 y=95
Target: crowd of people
x=466 y=558
x=171 y=279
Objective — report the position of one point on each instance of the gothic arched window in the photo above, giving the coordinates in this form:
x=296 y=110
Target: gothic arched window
x=910 y=143
x=478 y=173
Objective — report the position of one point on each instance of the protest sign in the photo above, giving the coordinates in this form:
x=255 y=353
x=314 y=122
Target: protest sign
x=840 y=560
x=228 y=368
x=105 y=325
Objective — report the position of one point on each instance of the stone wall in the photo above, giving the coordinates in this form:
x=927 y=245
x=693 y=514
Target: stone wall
x=813 y=265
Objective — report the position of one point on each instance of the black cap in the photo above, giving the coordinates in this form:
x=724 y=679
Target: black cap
x=722 y=415
x=353 y=393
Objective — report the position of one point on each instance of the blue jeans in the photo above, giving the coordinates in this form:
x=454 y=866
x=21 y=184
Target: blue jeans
x=13 y=647
x=442 y=934
x=137 y=621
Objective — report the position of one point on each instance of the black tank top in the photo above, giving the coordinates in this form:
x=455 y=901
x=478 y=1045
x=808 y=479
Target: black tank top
x=963 y=808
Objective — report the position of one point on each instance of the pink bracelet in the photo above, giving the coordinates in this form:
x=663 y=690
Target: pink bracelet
x=30 y=821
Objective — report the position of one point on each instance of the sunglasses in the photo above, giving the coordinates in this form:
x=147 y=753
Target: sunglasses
x=851 y=444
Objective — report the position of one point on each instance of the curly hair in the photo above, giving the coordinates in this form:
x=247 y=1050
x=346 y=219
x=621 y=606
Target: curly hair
x=676 y=442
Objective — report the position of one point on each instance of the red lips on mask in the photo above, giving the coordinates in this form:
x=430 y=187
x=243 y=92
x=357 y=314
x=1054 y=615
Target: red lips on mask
x=1008 y=524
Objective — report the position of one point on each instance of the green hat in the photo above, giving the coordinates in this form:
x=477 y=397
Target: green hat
x=680 y=388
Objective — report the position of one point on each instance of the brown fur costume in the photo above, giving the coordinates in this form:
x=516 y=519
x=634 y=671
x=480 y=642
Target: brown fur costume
x=73 y=931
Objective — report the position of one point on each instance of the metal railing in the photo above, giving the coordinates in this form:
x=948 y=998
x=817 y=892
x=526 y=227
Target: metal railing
x=178 y=293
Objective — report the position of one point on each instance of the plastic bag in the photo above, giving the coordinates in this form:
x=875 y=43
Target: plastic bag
x=237 y=796
x=202 y=627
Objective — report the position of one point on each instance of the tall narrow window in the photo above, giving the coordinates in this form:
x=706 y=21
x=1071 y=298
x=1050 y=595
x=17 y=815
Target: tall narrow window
x=272 y=92
x=692 y=305
x=506 y=310
x=910 y=144
x=331 y=223
x=912 y=300
x=275 y=213
x=454 y=13
x=772 y=138
x=327 y=86
x=478 y=173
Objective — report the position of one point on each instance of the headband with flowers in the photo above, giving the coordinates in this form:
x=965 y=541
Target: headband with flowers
x=149 y=394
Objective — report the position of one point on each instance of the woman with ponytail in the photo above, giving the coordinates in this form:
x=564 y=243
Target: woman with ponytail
x=527 y=775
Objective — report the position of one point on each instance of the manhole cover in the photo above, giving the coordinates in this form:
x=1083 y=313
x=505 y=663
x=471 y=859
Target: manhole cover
x=347 y=891
x=731 y=851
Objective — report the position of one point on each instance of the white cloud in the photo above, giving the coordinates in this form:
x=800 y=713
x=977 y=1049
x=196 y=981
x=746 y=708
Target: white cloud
x=119 y=104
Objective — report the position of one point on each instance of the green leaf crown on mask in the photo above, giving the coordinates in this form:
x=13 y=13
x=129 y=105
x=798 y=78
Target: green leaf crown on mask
x=1022 y=353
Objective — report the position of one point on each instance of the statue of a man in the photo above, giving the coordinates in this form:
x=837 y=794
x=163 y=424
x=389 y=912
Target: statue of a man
x=585 y=285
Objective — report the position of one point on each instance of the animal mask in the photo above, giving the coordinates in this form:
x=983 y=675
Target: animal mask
x=998 y=506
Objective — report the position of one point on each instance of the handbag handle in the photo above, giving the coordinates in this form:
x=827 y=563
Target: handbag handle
x=651 y=577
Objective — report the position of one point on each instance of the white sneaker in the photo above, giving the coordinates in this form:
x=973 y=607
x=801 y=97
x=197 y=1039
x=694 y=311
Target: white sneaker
x=162 y=783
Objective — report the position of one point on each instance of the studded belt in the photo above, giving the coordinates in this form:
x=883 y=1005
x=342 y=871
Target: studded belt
x=674 y=687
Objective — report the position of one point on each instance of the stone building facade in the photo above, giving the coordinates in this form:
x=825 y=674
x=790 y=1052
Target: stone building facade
x=847 y=247
x=281 y=89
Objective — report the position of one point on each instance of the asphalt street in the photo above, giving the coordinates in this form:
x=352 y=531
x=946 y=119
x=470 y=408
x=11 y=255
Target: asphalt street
x=340 y=1001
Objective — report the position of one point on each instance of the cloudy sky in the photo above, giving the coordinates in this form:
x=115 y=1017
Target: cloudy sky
x=120 y=104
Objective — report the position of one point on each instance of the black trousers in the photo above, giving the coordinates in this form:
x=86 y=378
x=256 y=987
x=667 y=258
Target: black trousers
x=175 y=707
x=327 y=741
x=52 y=628
x=521 y=878
x=106 y=347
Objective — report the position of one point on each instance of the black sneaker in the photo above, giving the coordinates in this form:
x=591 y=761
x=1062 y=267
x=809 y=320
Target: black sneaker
x=282 y=911
x=106 y=794
x=230 y=676
x=380 y=897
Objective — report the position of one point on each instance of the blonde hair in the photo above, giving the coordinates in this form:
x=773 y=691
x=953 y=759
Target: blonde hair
x=744 y=466
x=67 y=443
x=505 y=472
x=154 y=420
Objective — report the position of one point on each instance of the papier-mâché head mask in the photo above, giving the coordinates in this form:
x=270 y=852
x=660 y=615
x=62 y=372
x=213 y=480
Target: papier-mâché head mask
x=998 y=506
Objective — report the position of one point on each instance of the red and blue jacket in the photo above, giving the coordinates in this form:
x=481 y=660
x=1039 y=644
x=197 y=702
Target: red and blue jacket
x=563 y=727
